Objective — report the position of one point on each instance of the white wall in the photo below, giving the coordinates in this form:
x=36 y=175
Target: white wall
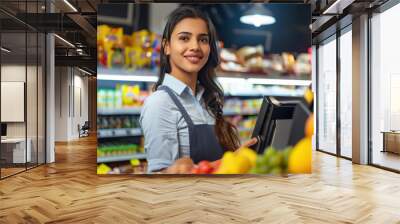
x=71 y=93
x=62 y=81
x=81 y=94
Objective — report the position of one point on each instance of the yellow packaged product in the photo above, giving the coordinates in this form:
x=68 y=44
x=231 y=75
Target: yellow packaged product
x=130 y=95
x=102 y=32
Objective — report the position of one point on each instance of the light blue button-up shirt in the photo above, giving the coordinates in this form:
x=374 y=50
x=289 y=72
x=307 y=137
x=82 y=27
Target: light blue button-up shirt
x=164 y=128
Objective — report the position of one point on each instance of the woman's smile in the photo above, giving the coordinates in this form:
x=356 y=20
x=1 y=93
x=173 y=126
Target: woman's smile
x=193 y=58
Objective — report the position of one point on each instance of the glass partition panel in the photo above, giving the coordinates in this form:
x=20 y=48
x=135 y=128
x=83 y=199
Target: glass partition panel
x=327 y=96
x=346 y=94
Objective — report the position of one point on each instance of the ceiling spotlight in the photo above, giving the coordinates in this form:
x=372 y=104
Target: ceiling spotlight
x=84 y=71
x=70 y=5
x=65 y=41
x=5 y=50
x=257 y=16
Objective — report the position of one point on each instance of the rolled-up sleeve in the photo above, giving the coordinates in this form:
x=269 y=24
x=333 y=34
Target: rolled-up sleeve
x=158 y=121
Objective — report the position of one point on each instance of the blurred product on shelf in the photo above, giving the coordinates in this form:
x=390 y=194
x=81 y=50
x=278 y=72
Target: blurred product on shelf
x=123 y=96
x=140 y=50
x=245 y=128
x=118 y=150
x=242 y=106
x=244 y=125
x=136 y=167
x=253 y=59
x=243 y=87
x=303 y=64
x=114 y=122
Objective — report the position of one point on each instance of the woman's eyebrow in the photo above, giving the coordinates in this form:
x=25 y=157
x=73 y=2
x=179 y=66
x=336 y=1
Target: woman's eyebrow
x=184 y=32
x=189 y=33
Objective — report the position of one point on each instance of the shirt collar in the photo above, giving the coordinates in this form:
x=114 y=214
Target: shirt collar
x=179 y=87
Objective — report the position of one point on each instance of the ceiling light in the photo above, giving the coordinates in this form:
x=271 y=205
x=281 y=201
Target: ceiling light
x=5 y=50
x=70 y=5
x=337 y=7
x=65 y=41
x=84 y=71
x=258 y=16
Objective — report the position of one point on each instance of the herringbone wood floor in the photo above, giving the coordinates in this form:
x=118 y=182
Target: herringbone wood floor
x=69 y=191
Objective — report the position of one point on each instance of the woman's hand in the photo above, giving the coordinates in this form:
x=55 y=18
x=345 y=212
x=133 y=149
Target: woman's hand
x=249 y=143
x=181 y=166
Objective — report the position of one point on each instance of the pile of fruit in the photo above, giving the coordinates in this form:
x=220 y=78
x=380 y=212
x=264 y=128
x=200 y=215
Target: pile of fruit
x=237 y=162
x=272 y=161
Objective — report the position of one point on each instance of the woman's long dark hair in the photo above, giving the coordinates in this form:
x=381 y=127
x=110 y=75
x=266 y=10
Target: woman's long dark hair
x=213 y=95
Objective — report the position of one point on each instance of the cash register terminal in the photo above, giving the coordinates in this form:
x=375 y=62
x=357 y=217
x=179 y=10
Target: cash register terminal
x=280 y=122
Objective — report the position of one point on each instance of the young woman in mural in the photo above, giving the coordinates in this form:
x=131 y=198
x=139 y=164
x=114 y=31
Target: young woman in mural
x=182 y=120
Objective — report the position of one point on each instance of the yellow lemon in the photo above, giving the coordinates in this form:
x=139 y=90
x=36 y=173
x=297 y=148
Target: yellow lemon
x=243 y=164
x=300 y=157
x=234 y=163
x=249 y=153
x=227 y=162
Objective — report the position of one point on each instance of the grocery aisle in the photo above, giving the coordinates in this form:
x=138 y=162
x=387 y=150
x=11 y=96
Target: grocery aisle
x=70 y=191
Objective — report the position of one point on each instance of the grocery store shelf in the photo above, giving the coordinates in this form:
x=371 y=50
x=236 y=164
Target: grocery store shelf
x=120 y=111
x=247 y=75
x=245 y=129
x=108 y=159
x=136 y=111
x=119 y=132
x=282 y=81
x=152 y=76
x=260 y=94
x=127 y=75
x=243 y=113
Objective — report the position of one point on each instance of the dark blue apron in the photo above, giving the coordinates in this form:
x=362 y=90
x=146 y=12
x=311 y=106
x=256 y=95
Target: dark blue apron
x=203 y=141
